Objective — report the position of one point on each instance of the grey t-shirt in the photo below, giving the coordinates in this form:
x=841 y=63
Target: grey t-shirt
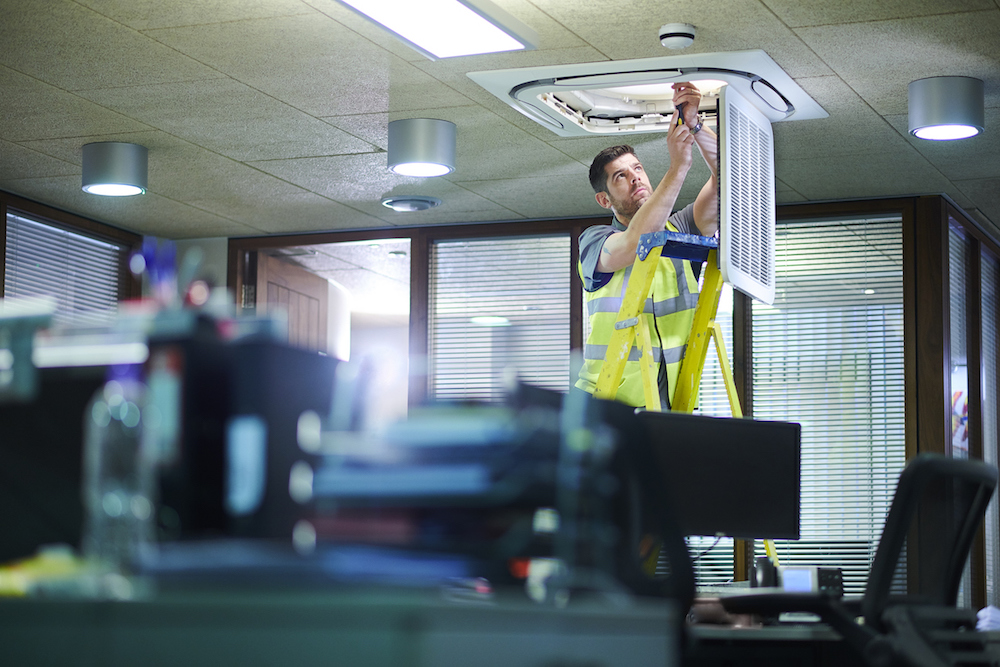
x=592 y=240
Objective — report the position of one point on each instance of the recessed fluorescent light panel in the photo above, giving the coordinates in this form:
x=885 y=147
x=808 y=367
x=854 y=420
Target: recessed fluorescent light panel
x=627 y=96
x=449 y=28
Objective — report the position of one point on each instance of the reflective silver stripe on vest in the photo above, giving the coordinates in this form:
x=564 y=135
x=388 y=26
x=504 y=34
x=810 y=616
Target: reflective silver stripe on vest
x=599 y=352
x=685 y=299
x=675 y=305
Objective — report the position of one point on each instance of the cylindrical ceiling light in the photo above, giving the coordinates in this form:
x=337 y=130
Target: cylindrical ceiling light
x=114 y=169
x=421 y=147
x=943 y=108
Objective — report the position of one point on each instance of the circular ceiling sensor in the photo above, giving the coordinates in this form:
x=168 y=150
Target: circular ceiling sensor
x=677 y=35
x=409 y=203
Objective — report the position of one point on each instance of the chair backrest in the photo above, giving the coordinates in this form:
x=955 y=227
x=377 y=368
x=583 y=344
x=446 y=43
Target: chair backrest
x=937 y=509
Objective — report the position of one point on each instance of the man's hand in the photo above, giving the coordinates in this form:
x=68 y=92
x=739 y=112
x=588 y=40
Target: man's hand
x=679 y=143
x=687 y=94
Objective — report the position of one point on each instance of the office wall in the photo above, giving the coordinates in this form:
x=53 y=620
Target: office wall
x=214 y=257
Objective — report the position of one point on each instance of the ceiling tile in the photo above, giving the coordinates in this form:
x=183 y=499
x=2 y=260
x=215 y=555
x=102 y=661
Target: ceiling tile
x=23 y=162
x=31 y=109
x=985 y=194
x=796 y=13
x=345 y=178
x=230 y=118
x=370 y=127
x=878 y=60
x=872 y=174
x=67 y=46
x=361 y=181
x=557 y=196
x=313 y=63
x=145 y=214
x=851 y=128
x=151 y=14
x=631 y=30
x=785 y=194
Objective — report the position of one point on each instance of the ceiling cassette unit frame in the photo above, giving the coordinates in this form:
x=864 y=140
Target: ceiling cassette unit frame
x=628 y=96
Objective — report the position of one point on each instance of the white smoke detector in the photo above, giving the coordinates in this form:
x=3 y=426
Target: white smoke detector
x=677 y=35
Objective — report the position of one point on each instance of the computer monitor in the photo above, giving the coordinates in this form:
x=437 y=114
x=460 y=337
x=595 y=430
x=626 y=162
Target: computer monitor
x=723 y=476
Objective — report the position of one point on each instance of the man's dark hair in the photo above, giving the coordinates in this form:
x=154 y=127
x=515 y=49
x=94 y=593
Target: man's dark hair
x=598 y=179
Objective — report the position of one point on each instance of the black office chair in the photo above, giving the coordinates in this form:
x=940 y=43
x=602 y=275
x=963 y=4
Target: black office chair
x=922 y=628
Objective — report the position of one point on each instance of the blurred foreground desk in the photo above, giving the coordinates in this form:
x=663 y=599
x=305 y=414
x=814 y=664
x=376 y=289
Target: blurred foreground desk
x=343 y=628
x=786 y=645
x=806 y=645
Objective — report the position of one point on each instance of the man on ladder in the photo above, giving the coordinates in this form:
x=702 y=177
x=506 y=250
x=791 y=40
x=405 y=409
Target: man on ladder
x=607 y=252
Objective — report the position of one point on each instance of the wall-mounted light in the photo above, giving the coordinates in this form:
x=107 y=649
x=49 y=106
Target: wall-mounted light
x=943 y=108
x=449 y=28
x=422 y=147
x=114 y=169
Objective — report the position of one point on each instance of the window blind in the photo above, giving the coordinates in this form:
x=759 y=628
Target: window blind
x=828 y=354
x=498 y=304
x=79 y=271
x=959 y=258
x=991 y=346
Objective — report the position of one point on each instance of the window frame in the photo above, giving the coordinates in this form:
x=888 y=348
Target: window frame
x=243 y=256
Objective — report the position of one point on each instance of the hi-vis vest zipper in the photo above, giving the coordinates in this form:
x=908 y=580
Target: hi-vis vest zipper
x=669 y=312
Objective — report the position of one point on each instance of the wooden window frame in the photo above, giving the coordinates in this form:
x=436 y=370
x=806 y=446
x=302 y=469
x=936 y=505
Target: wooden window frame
x=242 y=258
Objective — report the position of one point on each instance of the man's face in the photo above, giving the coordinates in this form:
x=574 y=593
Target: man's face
x=628 y=187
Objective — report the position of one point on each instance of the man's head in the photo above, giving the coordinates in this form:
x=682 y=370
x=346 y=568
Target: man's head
x=599 y=177
x=619 y=181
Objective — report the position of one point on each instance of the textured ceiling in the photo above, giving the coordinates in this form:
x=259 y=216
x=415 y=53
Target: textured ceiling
x=270 y=116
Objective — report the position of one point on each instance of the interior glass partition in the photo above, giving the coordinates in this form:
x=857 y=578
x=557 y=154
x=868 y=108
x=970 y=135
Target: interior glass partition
x=828 y=354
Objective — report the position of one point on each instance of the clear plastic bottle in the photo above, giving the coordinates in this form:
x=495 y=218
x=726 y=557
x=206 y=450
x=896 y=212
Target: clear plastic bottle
x=118 y=484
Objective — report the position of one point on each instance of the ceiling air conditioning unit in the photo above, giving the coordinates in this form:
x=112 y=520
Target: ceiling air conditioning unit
x=627 y=96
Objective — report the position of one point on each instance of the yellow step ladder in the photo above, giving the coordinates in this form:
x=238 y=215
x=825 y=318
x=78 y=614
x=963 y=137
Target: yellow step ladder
x=631 y=327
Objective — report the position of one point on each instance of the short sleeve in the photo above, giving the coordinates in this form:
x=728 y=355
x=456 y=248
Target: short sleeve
x=591 y=242
x=683 y=220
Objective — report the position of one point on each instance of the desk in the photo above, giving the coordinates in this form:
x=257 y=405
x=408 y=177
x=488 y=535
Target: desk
x=355 y=629
x=806 y=645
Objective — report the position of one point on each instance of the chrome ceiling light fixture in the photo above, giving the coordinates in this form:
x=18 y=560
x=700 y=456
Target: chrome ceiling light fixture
x=944 y=108
x=448 y=28
x=410 y=203
x=422 y=147
x=114 y=169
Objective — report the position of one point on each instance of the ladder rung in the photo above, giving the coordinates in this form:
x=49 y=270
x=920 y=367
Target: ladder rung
x=625 y=324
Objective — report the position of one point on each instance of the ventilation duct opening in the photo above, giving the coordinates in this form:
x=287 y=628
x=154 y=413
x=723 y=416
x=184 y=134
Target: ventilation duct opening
x=628 y=96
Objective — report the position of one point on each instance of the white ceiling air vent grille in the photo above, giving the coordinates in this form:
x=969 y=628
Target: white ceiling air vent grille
x=746 y=197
